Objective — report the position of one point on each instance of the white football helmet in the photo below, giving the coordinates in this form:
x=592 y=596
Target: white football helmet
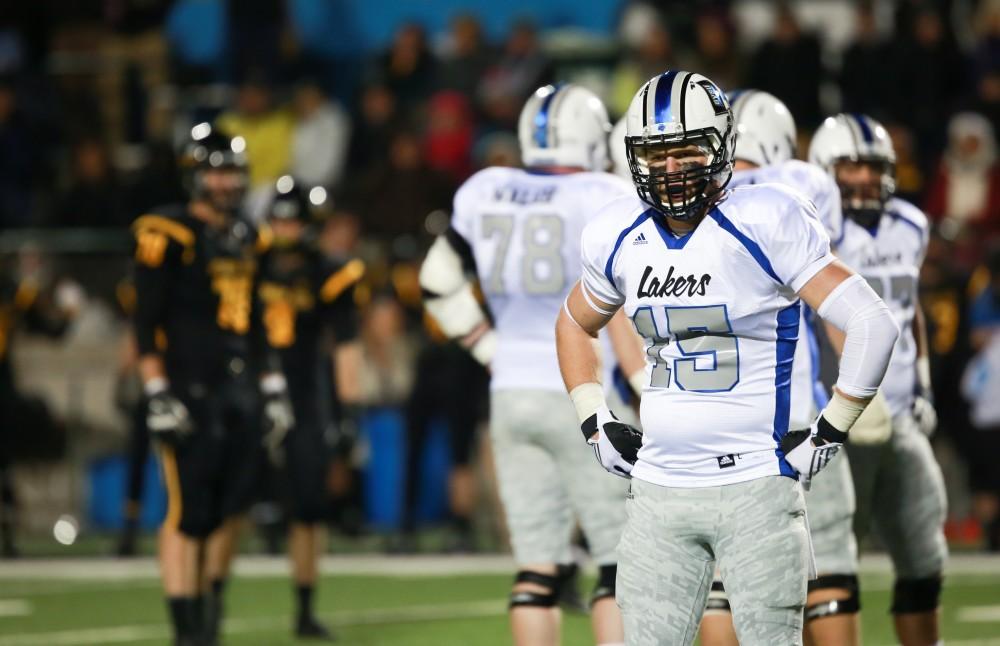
x=672 y=111
x=765 y=129
x=616 y=149
x=564 y=125
x=856 y=138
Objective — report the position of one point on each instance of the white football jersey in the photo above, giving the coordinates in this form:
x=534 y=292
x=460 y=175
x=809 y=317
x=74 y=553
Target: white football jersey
x=524 y=230
x=808 y=394
x=720 y=317
x=889 y=258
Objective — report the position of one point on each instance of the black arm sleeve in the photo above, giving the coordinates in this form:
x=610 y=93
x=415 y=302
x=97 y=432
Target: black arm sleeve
x=342 y=317
x=152 y=294
x=462 y=248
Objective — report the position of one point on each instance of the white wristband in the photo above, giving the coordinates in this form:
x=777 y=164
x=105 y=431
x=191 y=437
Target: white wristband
x=924 y=373
x=587 y=399
x=842 y=412
x=637 y=381
x=485 y=347
x=155 y=386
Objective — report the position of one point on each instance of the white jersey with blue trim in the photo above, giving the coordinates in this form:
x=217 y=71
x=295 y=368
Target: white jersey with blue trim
x=524 y=230
x=808 y=394
x=889 y=257
x=720 y=317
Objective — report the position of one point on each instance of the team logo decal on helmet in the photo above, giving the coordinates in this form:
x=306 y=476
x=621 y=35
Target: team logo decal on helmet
x=680 y=141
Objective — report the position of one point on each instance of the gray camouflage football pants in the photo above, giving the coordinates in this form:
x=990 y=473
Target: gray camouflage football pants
x=901 y=496
x=549 y=478
x=755 y=531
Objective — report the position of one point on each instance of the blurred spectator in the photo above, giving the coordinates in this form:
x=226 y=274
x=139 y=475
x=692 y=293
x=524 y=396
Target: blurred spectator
x=373 y=128
x=95 y=197
x=522 y=68
x=408 y=68
x=987 y=97
x=715 y=41
x=388 y=354
x=266 y=129
x=788 y=66
x=981 y=386
x=866 y=68
x=930 y=77
x=134 y=63
x=497 y=149
x=467 y=58
x=987 y=25
x=448 y=140
x=653 y=56
x=965 y=194
x=909 y=173
x=17 y=160
x=399 y=193
x=340 y=235
x=321 y=137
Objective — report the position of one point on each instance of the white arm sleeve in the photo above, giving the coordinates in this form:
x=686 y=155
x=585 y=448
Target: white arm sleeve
x=854 y=308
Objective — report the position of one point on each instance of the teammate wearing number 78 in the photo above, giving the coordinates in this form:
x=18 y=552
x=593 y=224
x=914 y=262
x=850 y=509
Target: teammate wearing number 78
x=712 y=279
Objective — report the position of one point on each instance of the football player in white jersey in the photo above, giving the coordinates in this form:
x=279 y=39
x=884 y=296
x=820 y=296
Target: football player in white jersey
x=765 y=152
x=519 y=231
x=712 y=279
x=899 y=484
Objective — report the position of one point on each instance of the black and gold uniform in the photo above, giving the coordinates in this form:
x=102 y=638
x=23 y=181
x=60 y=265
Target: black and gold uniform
x=195 y=307
x=304 y=297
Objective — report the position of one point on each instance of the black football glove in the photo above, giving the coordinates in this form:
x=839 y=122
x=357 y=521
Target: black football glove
x=616 y=444
x=809 y=450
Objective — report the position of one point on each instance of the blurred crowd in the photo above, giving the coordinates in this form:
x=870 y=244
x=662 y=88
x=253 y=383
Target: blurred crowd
x=96 y=96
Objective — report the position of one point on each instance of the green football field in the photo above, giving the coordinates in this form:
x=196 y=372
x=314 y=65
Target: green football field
x=63 y=605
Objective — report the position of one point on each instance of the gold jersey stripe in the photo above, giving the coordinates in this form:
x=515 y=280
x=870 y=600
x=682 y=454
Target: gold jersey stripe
x=166 y=226
x=341 y=280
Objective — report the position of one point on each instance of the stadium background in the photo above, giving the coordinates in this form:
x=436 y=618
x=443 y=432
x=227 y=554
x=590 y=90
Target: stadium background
x=388 y=106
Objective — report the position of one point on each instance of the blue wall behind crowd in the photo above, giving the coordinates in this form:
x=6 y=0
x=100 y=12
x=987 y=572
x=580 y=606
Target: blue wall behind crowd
x=349 y=28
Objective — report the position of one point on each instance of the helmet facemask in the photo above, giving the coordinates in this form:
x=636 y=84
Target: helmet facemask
x=866 y=184
x=701 y=169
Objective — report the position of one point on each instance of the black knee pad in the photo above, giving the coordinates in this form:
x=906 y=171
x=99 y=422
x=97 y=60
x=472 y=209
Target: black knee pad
x=536 y=599
x=604 y=588
x=717 y=599
x=848 y=606
x=916 y=595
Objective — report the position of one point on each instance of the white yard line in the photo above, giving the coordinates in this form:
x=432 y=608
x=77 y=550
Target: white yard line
x=107 y=569
x=237 y=626
x=15 y=607
x=979 y=614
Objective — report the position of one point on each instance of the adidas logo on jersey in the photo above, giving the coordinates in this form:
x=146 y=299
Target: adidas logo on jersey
x=726 y=461
x=640 y=240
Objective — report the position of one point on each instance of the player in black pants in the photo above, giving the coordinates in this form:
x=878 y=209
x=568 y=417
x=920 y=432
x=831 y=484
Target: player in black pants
x=305 y=297
x=200 y=362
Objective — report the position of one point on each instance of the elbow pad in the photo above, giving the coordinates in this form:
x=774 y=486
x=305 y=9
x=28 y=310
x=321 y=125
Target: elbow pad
x=871 y=333
x=448 y=295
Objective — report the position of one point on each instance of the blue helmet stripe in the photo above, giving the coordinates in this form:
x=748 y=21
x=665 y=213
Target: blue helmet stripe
x=542 y=119
x=661 y=101
x=866 y=132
